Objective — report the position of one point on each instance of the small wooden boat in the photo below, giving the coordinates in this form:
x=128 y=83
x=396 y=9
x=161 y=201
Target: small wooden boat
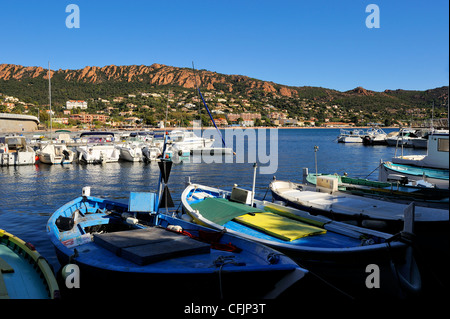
x=120 y=247
x=325 y=199
x=390 y=191
x=339 y=253
x=24 y=273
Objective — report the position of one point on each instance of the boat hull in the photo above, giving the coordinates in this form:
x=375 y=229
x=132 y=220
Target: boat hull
x=131 y=155
x=439 y=178
x=214 y=274
x=350 y=139
x=110 y=283
x=17 y=158
x=369 y=140
x=98 y=154
x=55 y=154
x=50 y=159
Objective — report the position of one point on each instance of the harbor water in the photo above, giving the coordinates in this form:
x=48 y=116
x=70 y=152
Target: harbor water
x=30 y=194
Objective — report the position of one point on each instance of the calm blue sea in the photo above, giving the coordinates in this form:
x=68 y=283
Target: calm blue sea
x=30 y=194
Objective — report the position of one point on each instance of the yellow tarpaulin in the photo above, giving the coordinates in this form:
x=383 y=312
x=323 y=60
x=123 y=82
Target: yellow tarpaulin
x=278 y=226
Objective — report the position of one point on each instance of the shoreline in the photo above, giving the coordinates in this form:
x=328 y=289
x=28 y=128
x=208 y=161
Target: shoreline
x=75 y=130
x=72 y=130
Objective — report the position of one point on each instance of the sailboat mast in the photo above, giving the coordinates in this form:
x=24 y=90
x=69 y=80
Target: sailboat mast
x=50 y=100
x=167 y=108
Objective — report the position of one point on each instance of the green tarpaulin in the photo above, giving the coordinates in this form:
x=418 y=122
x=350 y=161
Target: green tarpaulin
x=220 y=210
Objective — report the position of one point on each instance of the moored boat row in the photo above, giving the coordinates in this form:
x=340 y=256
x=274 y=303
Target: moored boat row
x=102 y=147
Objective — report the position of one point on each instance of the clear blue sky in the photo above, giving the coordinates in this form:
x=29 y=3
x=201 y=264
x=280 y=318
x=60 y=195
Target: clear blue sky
x=316 y=43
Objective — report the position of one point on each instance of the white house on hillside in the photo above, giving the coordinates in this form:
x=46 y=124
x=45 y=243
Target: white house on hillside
x=72 y=104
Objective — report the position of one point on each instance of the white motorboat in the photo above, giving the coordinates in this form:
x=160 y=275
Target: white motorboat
x=15 y=151
x=132 y=151
x=188 y=140
x=100 y=148
x=375 y=136
x=151 y=153
x=436 y=157
x=55 y=154
x=351 y=136
x=402 y=138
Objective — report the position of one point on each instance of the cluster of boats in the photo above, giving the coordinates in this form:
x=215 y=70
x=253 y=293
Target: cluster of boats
x=405 y=137
x=229 y=244
x=101 y=147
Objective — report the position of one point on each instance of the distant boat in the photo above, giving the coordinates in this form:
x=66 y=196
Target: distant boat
x=188 y=140
x=132 y=151
x=99 y=148
x=15 y=151
x=403 y=138
x=375 y=136
x=351 y=136
x=55 y=154
x=335 y=251
x=151 y=153
x=130 y=246
x=24 y=273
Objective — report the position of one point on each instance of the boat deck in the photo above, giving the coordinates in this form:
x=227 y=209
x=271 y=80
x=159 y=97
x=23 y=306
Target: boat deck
x=18 y=278
x=279 y=230
x=152 y=250
x=355 y=205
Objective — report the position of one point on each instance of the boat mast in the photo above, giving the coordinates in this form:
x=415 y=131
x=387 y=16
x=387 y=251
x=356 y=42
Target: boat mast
x=167 y=109
x=50 y=100
x=207 y=109
x=199 y=104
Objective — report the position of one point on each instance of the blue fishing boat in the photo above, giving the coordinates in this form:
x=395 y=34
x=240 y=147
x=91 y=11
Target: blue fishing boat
x=132 y=246
x=119 y=248
x=24 y=273
x=338 y=253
